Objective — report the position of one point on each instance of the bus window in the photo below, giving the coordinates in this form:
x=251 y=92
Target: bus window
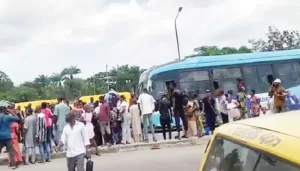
x=226 y=73
x=196 y=86
x=193 y=76
x=227 y=155
x=225 y=79
x=265 y=73
x=288 y=73
x=227 y=84
x=264 y=69
x=251 y=79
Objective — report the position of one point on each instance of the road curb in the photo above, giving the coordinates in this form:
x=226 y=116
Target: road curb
x=136 y=147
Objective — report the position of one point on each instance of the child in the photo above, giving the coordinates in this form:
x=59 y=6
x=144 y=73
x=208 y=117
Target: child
x=115 y=133
x=114 y=117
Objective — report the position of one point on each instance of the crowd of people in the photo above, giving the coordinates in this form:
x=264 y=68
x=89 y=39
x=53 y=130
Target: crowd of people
x=113 y=120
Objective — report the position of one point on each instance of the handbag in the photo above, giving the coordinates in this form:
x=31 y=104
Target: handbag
x=89 y=166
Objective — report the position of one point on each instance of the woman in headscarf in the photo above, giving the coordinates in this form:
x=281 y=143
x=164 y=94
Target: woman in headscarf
x=136 y=121
x=126 y=116
x=78 y=110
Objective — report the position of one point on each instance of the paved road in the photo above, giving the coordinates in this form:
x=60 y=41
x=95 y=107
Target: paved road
x=169 y=159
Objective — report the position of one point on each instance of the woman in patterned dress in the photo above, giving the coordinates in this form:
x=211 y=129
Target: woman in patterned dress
x=41 y=136
x=255 y=104
x=242 y=100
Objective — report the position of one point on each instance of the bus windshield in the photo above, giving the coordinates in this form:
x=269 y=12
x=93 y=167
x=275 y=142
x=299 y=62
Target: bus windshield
x=158 y=88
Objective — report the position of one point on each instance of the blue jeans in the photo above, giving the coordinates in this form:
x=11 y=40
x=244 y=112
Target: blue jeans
x=49 y=139
x=44 y=151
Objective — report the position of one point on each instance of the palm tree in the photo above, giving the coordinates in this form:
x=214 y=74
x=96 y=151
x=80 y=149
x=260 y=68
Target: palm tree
x=71 y=71
x=57 y=79
x=42 y=80
x=41 y=83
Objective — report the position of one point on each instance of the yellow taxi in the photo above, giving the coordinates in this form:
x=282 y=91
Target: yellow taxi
x=269 y=143
x=34 y=103
x=86 y=99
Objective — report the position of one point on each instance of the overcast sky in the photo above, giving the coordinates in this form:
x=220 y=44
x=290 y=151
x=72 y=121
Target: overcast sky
x=45 y=36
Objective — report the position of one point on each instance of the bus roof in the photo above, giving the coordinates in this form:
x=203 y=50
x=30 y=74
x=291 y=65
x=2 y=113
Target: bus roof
x=227 y=60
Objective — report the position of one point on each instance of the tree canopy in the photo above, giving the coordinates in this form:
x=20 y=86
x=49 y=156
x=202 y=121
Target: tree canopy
x=66 y=84
x=275 y=40
x=215 y=50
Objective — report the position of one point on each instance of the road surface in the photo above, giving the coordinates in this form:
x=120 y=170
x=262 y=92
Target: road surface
x=168 y=159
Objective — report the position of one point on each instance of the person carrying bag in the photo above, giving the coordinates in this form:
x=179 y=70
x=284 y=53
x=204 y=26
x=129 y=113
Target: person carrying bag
x=89 y=165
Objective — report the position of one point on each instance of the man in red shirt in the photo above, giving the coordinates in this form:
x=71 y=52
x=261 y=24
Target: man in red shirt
x=104 y=122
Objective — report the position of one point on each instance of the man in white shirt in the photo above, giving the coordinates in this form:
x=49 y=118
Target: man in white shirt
x=76 y=140
x=147 y=104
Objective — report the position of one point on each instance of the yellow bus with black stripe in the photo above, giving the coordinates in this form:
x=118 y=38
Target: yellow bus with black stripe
x=269 y=143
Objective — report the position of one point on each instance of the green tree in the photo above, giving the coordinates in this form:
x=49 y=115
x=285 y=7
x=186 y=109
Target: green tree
x=57 y=79
x=5 y=82
x=41 y=84
x=215 y=50
x=65 y=84
x=277 y=40
x=23 y=94
x=71 y=71
x=126 y=77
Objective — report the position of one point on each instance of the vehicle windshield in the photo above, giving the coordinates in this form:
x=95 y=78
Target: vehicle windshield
x=226 y=155
x=158 y=88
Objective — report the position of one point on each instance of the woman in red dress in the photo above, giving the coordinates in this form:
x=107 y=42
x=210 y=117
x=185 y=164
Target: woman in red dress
x=14 y=129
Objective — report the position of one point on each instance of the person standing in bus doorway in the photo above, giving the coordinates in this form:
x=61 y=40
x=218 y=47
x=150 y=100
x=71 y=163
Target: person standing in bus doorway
x=178 y=110
x=164 y=109
x=147 y=104
x=209 y=111
x=278 y=92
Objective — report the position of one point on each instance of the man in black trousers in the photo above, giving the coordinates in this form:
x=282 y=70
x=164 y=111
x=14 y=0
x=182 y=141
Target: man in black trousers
x=165 y=117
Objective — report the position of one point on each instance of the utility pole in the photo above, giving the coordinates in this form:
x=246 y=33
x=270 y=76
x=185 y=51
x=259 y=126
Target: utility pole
x=178 y=49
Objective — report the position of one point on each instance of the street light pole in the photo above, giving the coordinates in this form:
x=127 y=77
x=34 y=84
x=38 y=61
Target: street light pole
x=179 y=10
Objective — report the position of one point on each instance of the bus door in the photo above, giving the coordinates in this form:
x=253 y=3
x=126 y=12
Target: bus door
x=168 y=88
